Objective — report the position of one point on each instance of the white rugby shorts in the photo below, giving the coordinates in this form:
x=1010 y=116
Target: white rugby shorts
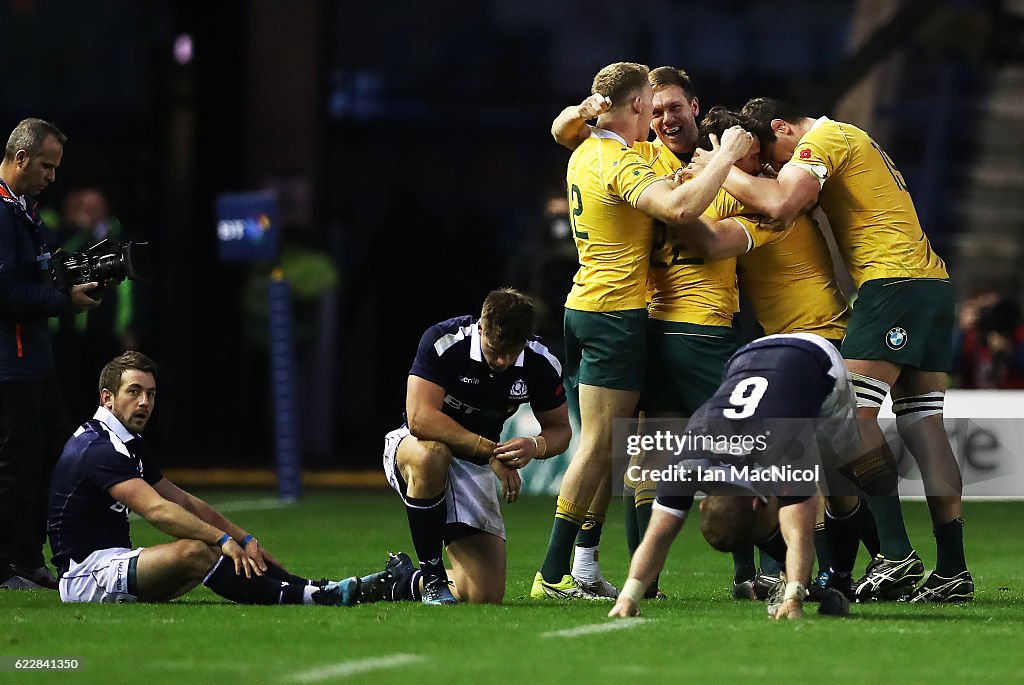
x=472 y=494
x=102 y=577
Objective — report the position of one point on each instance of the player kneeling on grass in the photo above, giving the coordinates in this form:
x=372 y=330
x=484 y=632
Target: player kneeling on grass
x=105 y=472
x=766 y=383
x=468 y=377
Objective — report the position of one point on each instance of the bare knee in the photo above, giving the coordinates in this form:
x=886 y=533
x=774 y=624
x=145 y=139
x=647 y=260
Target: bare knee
x=424 y=466
x=197 y=556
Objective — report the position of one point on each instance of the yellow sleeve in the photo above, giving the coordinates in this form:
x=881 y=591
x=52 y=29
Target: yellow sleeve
x=630 y=176
x=763 y=233
x=723 y=206
x=821 y=151
x=647 y=150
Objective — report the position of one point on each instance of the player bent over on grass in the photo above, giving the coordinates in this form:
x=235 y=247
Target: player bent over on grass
x=104 y=472
x=792 y=376
x=468 y=377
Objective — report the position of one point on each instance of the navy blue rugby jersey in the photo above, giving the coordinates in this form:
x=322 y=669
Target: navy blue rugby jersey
x=794 y=375
x=450 y=356
x=83 y=517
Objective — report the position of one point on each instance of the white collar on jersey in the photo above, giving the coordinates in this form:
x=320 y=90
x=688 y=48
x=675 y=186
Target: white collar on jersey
x=476 y=351
x=818 y=122
x=104 y=416
x=605 y=133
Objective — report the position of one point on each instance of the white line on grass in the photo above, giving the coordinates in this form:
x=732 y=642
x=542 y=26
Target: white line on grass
x=620 y=624
x=347 y=668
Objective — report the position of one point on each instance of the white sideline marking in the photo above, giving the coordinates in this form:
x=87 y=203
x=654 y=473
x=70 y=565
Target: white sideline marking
x=617 y=624
x=347 y=668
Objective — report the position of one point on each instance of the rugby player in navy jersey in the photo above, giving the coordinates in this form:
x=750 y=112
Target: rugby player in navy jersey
x=468 y=377
x=791 y=376
x=105 y=472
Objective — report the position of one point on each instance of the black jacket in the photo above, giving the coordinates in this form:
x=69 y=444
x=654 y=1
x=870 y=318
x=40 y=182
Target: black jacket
x=27 y=297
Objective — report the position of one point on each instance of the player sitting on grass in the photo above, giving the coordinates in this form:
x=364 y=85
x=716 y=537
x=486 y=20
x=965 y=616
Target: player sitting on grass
x=793 y=376
x=105 y=472
x=468 y=377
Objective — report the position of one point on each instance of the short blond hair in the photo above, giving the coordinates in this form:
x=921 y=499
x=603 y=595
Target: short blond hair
x=619 y=80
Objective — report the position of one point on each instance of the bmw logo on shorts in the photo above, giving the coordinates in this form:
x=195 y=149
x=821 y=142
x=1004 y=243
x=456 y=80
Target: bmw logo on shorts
x=896 y=338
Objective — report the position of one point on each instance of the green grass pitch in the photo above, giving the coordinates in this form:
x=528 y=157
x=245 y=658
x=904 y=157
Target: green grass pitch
x=698 y=635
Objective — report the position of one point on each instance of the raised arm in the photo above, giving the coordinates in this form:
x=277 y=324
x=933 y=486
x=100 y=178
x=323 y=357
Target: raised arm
x=783 y=199
x=570 y=128
x=679 y=204
x=423 y=402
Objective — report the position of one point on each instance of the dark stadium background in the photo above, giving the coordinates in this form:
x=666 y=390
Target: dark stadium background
x=410 y=141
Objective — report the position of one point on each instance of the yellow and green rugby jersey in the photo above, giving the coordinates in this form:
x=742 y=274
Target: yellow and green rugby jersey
x=791 y=283
x=685 y=287
x=867 y=203
x=604 y=179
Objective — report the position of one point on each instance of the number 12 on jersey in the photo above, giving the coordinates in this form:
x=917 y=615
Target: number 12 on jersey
x=575 y=209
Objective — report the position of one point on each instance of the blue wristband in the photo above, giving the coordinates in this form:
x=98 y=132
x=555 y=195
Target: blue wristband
x=247 y=540
x=224 y=538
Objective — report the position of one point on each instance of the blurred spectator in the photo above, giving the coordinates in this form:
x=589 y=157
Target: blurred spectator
x=86 y=341
x=988 y=346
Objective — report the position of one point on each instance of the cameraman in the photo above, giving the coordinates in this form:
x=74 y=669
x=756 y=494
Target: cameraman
x=32 y=419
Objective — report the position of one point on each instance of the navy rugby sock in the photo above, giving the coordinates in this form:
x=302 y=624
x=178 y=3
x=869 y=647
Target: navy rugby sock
x=773 y=553
x=743 y=565
x=427 y=518
x=821 y=547
x=255 y=590
x=278 y=573
x=843 y=532
x=407 y=589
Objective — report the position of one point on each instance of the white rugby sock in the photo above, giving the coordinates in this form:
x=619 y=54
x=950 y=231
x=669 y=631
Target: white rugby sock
x=585 y=565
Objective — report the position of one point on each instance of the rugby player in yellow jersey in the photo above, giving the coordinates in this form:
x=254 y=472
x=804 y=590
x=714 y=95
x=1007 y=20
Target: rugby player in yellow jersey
x=613 y=195
x=898 y=335
x=694 y=299
x=674 y=121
